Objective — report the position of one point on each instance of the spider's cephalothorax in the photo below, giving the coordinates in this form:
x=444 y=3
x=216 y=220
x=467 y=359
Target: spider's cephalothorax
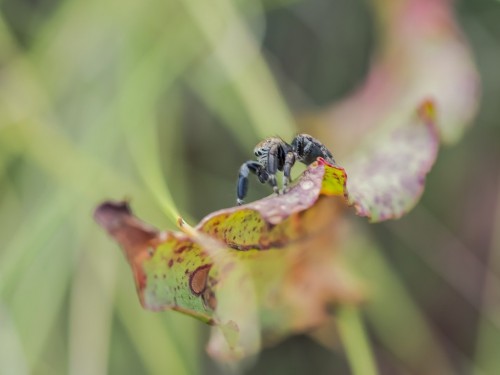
x=274 y=154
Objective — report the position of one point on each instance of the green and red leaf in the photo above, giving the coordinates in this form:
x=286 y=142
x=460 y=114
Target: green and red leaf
x=258 y=272
x=388 y=177
x=422 y=89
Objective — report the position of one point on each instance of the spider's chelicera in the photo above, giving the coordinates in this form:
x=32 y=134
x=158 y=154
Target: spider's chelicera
x=273 y=155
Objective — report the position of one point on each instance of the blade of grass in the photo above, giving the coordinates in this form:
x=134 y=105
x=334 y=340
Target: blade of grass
x=355 y=341
x=237 y=58
x=465 y=261
x=35 y=313
x=391 y=311
x=136 y=110
x=91 y=307
x=488 y=333
x=72 y=177
x=12 y=359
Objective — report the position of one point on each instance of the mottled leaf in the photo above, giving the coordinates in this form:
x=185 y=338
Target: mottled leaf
x=423 y=65
x=386 y=180
x=257 y=272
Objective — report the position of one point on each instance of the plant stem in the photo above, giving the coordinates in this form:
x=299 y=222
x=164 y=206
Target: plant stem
x=355 y=341
x=488 y=333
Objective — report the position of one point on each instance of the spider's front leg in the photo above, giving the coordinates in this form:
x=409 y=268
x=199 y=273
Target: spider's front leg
x=242 y=186
x=274 y=162
x=287 y=168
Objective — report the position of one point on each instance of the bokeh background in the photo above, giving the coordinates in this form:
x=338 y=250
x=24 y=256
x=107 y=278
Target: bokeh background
x=156 y=102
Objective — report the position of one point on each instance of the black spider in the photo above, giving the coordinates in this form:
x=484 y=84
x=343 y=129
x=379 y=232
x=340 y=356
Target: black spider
x=273 y=155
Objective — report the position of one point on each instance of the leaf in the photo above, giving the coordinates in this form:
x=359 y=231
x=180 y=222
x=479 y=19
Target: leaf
x=387 y=178
x=257 y=272
x=422 y=88
x=262 y=271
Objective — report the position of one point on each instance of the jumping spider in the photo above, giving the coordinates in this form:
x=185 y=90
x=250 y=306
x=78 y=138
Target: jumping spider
x=273 y=155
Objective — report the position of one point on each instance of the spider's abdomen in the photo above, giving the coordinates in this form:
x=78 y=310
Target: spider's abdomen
x=276 y=146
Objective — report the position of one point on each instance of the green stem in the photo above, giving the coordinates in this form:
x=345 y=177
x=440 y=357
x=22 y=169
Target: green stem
x=355 y=341
x=488 y=334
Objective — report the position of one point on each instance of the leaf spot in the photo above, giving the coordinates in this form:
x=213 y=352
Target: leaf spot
x=307 y=184
x=198 y=279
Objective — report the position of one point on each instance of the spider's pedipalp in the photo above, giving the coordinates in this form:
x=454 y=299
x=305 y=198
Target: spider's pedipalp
x=287 y=169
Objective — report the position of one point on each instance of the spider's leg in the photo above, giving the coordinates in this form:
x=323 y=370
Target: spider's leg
x=273 y=164
x=289 y=162
x=242 y=186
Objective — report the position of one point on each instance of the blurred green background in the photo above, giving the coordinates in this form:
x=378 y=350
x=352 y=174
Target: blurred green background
x=155 y=102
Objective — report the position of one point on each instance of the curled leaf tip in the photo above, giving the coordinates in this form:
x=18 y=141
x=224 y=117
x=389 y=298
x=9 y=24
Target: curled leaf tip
x=110 y=214
x=132 y=234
